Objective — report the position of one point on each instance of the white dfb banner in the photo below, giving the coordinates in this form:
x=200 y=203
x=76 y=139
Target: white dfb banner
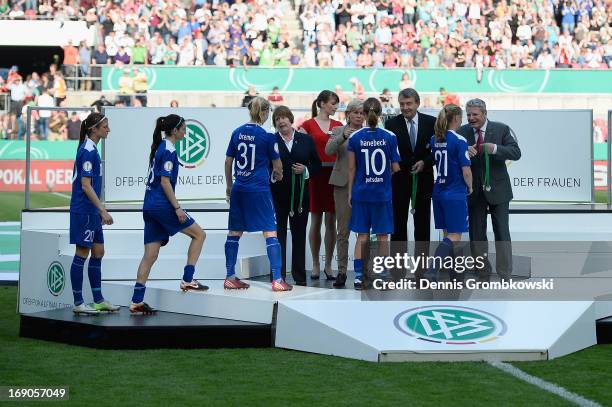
x=201 y=153
x=557 y=153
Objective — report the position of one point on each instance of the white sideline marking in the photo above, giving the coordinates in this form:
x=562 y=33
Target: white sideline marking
x=60 y=194
x=9 y=257
x=544 y=385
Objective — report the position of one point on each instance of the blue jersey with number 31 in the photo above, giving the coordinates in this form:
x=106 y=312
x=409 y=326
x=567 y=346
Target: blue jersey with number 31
x=450 y=157
x=375 y=150
x=252 y=149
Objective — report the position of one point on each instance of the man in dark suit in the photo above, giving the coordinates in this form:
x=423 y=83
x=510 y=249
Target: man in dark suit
x=413 y=131
x=300 y=161
x=492 y=194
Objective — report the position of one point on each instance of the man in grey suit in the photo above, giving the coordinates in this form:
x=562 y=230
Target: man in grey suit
x=493 y=193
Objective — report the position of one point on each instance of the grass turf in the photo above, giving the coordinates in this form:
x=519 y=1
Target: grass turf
x=266 y=376
x=13 y=203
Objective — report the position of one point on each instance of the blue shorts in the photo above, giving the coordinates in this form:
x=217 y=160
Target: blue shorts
x=86 y=229
x=451 y=215
x=251 y=212
x=372 y=217
x=160 y=224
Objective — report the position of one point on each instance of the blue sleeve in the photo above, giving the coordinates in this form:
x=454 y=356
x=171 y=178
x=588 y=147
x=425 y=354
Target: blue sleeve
x=351 y=144
x=395 y=157
x=463 y=157
x=167 y=164
x=89 y=161
x=231 y=148
x=273 y=152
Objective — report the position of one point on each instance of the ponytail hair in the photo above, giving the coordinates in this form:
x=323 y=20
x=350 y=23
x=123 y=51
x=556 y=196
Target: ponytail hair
x=325 y=96
x=445 y=117
x=92 y=121
x=373 y=109
x=165 y=124
x=257 y=109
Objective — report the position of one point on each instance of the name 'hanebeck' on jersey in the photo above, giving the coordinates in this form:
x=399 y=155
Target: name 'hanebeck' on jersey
x=252 y=149
x=86 y=164
x=450 y=156
x=375 y=150
x=165 y=164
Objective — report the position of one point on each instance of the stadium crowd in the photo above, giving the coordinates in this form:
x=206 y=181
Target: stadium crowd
x=338 y=33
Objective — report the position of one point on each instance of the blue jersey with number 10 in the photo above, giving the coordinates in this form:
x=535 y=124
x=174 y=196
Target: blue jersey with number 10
x=252 y=149
x=375 y=150
x=450 y=157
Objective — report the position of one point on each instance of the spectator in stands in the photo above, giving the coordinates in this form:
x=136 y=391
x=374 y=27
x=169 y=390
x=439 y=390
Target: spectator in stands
x=57 y=125
x=126 y=87
x=73 y=127
x=100 y=56
x=84 y=61
x=71 y=60
x=44 y=100
x=19 y=91
x=248 y=96
x=275 y=98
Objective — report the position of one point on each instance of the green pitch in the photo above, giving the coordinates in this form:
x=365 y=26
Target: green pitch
x=13 y=203
x=274 y=377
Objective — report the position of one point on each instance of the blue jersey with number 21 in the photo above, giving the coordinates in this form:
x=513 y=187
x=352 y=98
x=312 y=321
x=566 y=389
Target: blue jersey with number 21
x=450 y=156
x=252 y=149
x=375 y=150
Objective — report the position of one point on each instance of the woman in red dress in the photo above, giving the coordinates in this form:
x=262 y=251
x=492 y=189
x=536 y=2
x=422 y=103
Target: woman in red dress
x=321 y=192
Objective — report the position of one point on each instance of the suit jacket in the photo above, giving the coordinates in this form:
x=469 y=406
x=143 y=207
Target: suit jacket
x=507 y=149
x=303 y=152
x=397 y=125
x=337 y=144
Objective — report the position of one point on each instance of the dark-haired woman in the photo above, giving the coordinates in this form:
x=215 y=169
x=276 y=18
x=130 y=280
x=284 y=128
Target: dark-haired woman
x=162 y=213
x=87 y=215
x=319 y=127
x=372 y=158
x=453 y=182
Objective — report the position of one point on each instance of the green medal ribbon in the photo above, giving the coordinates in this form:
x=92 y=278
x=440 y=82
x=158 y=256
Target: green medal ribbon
x=487 y=176
x=302 y=183
x=414 y=191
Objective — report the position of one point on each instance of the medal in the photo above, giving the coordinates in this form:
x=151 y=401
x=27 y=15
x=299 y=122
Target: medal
x=487 y=177
x=414 y=191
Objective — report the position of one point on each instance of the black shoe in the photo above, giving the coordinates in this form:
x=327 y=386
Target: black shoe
x=300 y=283
x=358 y=285
x=340 y=280
x=329 y=277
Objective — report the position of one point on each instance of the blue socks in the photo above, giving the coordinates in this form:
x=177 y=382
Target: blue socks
x=95 y=278
x=274 y=255
x=139 y=292
x=445 y=249
x=231 y=255
x=76 y=278
x=188 y=273
x=358 y=266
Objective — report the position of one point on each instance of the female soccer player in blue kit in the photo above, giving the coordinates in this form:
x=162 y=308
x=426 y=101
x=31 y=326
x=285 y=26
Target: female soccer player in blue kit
x=162 y=214
x=453 y=182
x=373 y=157
x=251 y=208
x=87 y=215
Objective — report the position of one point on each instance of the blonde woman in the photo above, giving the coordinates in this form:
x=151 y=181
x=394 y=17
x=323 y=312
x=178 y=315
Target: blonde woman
x=336 y=145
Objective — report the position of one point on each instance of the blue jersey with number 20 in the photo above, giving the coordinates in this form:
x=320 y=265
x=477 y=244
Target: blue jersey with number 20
x=375 y=150
x=252 y=149
x=450 y=156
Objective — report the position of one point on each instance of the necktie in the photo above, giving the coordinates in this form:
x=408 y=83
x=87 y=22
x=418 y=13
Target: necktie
x=479 y=141
x=412 y=134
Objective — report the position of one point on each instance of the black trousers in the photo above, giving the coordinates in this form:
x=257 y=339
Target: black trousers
x=501 y=230
x=297 y=224
x=402 y=191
